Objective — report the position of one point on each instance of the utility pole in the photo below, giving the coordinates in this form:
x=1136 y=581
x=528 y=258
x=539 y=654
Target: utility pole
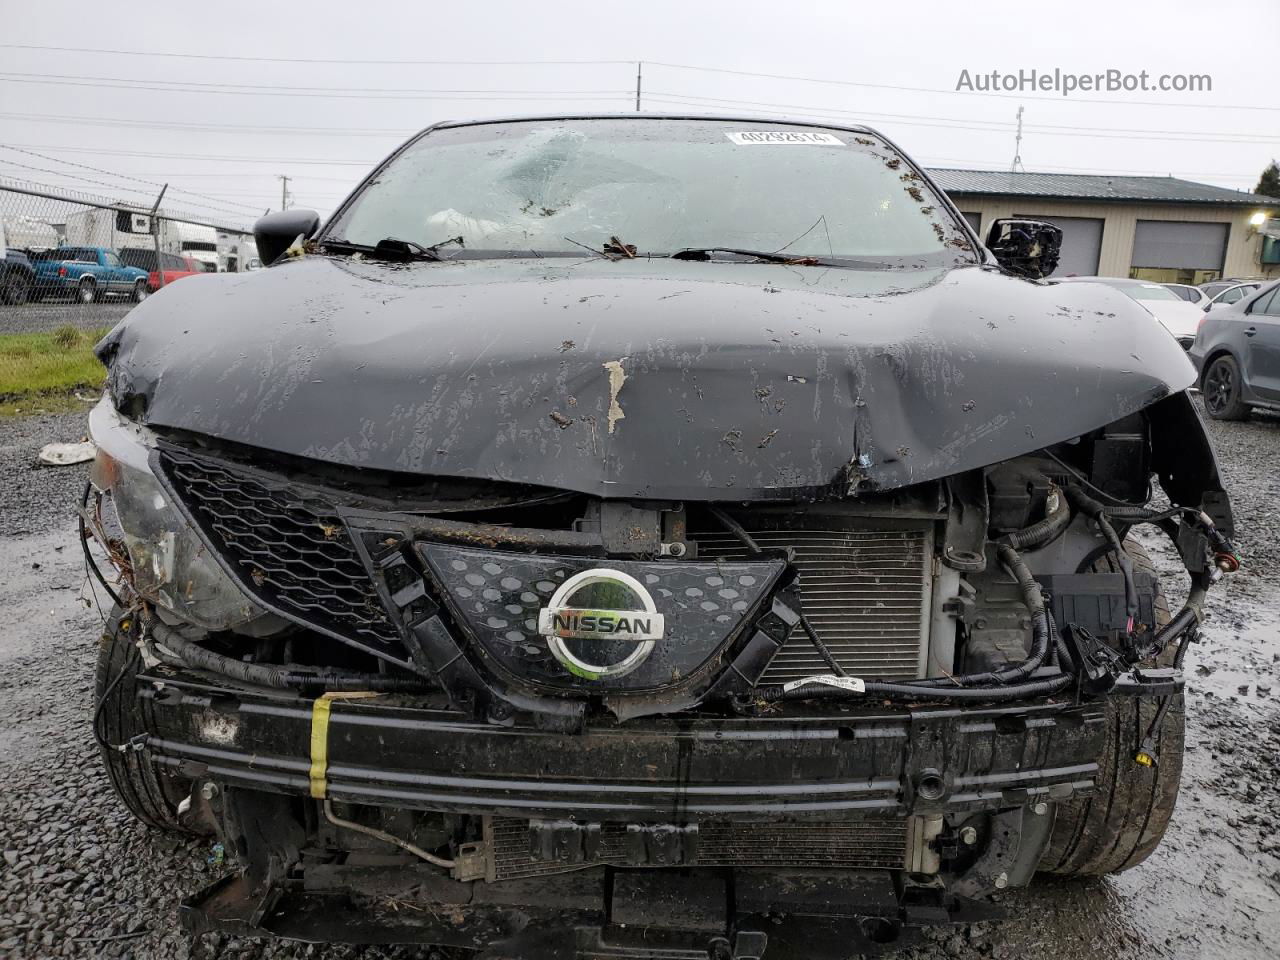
x=155 y=236
x=1017 y=146
x=284 y=191
x=639 y=64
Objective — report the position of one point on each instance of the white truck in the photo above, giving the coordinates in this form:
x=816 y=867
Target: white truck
x=200 y=244
x=123 y=229
x=237 y=252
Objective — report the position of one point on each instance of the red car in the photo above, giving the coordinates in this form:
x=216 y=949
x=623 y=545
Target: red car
x=175 y=268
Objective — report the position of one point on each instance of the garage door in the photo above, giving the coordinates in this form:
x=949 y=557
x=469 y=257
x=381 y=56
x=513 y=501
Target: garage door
x=1173 y=245
x=1081 y=244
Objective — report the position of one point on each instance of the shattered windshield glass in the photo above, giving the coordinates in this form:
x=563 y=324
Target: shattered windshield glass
x=660 y=185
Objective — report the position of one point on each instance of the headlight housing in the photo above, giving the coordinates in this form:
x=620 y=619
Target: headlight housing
x=158 y=553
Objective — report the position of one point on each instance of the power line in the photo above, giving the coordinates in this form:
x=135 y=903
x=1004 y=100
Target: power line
x=243 y=59
x=685 y=100
x=628 y=62
x=265 y=92
x=201 y=156
x=250 y=128
x=933 y=163
x=967 y=93
x=353 y=180
x=998 y=124
x=122 y=176
x=113 y=187
x=258 y=87
x=947 y=123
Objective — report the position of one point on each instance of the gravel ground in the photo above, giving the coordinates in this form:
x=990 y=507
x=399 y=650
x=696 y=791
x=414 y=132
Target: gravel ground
x=52 y=314
x=80 y=879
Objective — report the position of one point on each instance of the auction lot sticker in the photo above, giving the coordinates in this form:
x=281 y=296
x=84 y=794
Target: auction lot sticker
x=811 y=137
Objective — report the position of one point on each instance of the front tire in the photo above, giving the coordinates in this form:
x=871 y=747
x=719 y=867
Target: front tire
x=17 y=290
x=150 y=794
x=1125 y=818
x=1223 y=386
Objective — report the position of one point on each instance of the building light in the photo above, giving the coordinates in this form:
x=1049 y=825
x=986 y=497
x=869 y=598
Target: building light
x=1258 y=219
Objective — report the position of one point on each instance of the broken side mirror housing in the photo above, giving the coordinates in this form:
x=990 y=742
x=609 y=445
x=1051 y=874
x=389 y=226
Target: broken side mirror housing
x=1027 y=248
x=276 y=232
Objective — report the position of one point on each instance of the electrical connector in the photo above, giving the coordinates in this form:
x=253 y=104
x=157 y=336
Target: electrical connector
x=1146 y=755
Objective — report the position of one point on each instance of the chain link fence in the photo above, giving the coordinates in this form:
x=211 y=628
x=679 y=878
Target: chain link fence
x=72 y=265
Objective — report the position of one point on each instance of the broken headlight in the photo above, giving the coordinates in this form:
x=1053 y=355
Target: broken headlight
x=158 y=554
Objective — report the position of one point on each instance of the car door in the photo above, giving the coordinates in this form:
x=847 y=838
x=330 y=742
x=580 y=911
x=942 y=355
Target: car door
x=1261 y=327
x=118 y=277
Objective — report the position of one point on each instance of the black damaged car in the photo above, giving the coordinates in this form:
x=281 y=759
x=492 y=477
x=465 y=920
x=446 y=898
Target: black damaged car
x=645 y=536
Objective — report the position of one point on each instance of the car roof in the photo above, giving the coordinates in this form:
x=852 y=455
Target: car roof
x=735 y=117
x=1244 y=283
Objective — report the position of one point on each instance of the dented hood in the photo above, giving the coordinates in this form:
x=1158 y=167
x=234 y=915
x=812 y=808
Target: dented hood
x=655 y=379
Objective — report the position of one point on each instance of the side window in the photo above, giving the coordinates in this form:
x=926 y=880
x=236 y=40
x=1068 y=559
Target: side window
x=1232 y=295
x=1268 y=303
x=110 y=259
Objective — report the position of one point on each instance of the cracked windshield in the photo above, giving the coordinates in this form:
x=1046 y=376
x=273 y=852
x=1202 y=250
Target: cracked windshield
x=657 y=187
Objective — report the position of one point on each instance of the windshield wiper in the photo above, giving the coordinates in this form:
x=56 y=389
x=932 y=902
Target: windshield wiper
x=395 y=249
x=704 y=253
x=615 y=249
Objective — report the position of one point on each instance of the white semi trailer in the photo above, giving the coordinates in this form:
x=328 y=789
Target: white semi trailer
x=123 y=229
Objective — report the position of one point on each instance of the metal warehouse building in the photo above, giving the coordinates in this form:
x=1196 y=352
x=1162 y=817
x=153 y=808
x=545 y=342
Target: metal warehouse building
x=1150 y=228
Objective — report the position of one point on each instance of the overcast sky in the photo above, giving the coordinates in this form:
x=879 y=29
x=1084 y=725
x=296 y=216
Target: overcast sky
x=220 y=127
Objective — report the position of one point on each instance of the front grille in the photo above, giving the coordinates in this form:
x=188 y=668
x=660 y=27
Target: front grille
x=294 y=554
x=866 y=592
x=872 y=844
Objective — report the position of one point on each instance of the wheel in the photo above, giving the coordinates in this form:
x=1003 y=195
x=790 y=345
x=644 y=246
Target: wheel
x=17 y=290
x=1125 y=817
x=1222 y=384
x=150 y=794
x=86 y=290
x=140 y=291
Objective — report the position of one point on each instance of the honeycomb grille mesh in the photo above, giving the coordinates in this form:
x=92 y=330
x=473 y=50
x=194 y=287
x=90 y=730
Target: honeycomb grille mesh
x=870 y=844
x=865 y=591
x=295 y=554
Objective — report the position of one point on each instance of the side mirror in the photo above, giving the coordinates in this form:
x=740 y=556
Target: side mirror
x=275 y=232
x=1027 y=248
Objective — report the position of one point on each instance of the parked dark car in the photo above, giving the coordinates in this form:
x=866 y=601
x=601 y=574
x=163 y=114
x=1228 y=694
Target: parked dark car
x=645 y=536
x=1237 y=352
x=17 y=276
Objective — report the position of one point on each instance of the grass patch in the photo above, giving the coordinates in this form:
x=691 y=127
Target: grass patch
x=40 y=372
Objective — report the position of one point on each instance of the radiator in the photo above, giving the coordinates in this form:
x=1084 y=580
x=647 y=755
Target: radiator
x=866 y=592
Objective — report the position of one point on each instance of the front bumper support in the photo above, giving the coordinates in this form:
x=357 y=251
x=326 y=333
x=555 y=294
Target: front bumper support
x=397 y=752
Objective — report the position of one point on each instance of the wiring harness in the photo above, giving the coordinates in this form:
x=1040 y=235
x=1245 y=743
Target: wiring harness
x=1054 y=662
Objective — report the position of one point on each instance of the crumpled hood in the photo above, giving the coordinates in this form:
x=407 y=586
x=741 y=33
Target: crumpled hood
x=656 y=379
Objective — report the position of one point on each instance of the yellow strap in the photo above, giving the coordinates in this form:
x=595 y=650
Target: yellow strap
x=320 y=737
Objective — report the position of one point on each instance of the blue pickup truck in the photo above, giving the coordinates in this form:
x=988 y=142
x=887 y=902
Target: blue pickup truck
x=86 y=274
